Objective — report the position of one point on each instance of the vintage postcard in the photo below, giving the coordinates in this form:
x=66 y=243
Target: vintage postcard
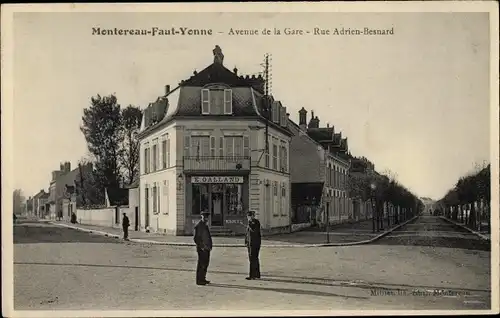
x=250 y=159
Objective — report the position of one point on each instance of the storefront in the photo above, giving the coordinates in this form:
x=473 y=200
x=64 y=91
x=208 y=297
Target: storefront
x=224 y=197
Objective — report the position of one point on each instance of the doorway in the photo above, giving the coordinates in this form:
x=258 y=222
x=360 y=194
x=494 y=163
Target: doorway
x=216 y=198
x=146 y=208
x=117 y=215
x=136 y=227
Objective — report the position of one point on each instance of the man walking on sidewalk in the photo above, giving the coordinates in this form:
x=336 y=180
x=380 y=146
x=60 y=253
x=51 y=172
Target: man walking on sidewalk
x=253 y=242
x=203 y=240
x=125 y=225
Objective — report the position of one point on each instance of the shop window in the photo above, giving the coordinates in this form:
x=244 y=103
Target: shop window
x=234 y=199
x=200 y=198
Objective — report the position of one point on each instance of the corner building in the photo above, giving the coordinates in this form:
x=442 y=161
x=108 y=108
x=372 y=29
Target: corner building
x=202 y=148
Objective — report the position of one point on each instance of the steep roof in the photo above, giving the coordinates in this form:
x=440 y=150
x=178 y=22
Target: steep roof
x=117 y=196
x=318 y=133
x=185 y=100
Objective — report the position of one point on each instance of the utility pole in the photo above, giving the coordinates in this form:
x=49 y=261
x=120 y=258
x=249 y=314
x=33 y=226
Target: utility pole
x=266 y=103
x=328 y=219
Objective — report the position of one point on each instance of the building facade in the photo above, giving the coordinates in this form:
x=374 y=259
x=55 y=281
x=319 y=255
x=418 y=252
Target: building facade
x=40 y=206
x=62 y=199
x=319 y=172
x=203 y=148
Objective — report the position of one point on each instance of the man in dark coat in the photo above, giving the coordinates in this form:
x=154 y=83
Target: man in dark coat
x=253 y=242
x=125 y=225
x=203 y=240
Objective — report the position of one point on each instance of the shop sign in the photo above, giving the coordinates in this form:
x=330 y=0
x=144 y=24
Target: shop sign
x=217 y=179
x=234 y=221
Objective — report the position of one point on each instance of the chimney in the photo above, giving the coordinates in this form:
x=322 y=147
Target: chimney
x=235 y=70
x=327 y=125
x=218 y=56
x=302 y=119
x=167 y=89
x=67 y=166
x=61 y=167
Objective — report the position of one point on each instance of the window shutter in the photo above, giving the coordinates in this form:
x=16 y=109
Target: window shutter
x=159 y=198
x=221 y=146
x=212 y=146
x=168 y=153
x=246 y=146
x=228 y=101
x=205 y=101
x=285 y=158
x=187 y=144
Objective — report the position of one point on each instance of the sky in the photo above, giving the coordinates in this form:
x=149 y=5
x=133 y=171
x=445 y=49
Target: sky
x=415 y=103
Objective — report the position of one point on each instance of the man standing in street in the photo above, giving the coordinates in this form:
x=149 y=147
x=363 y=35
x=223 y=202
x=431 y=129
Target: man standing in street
x=125 y=225
x=203 y=240
x=253 y=241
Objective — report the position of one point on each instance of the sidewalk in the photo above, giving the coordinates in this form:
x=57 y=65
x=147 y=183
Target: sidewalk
x=482 y=234
x=344 y=236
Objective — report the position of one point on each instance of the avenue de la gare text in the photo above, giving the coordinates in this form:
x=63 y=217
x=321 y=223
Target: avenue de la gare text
x=314 y=31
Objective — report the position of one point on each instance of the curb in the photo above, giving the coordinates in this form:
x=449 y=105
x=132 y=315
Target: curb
x=145 y=241
x=484 y=237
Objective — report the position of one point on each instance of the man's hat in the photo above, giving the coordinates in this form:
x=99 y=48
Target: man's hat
x=251 y=213
x=205 y=213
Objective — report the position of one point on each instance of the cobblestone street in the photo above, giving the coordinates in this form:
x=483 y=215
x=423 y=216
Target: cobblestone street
x=64 y=269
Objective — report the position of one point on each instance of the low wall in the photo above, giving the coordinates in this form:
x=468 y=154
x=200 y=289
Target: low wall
x=105 y=217
x=300 y=226
x=100 y=217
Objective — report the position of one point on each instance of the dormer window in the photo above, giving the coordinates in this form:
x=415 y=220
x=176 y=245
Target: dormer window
x=216 y=101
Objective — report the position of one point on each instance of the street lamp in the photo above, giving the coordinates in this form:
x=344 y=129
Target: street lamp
x=373 y=187
x=327 y=217
x=180 y=180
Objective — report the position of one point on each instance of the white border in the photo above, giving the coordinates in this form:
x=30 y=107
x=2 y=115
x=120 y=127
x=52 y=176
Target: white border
x=375 y=6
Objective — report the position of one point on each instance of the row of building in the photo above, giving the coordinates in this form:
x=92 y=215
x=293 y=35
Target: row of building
x=203 y=148
x=59 y=202
x=218 y=143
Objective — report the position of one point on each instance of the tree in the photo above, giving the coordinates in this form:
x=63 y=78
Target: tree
x=129 y=153
x=89 y=192
x=17 y=201
x=102 y=130
x=359 y=186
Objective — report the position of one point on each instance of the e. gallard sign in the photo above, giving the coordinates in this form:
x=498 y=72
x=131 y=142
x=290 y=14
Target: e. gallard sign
x=217 y=179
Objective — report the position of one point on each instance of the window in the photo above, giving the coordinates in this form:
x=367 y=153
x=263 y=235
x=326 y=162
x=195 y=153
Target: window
x=283 y=157
x=155 y=156
x=187 y=146
x=147 y=161
x=283 y=200
x=212 y=146
x=200 y=198
x=275 y=155
x=228 y=101
x=234 y=199
x=165 y=152
x=276 y=114
x=266 y=159
x=158 y=197
x=336 y=177
x=155 y=200
x=275 y=198
x=200 y=146
x=246 y=146
x=269 y=205
x=205 y=101
x=216 y=101
x=166 y=202
x=221 y=146
x=236 y=146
